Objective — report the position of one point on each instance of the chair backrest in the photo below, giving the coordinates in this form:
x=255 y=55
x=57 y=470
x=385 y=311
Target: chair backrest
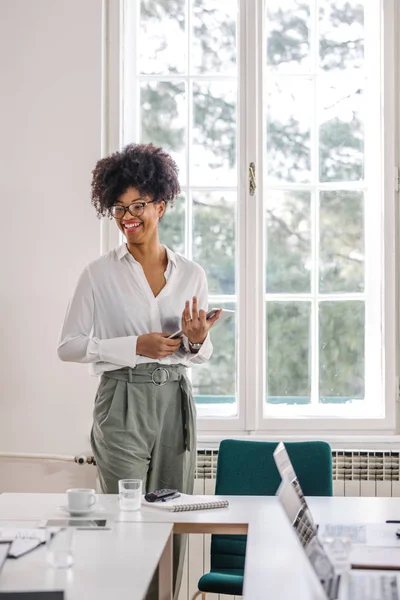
x=247 y=468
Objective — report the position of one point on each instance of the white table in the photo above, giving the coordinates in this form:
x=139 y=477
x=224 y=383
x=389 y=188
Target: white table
x=242 y=510
x=272 y=548
x=341 y=509
x=117 y=564
x=276 y=566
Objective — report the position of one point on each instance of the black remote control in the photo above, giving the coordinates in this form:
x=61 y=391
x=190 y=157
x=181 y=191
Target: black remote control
x=160 y=494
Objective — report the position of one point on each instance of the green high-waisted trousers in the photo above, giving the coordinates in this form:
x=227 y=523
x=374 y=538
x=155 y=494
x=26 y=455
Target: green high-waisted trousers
x=144 y=427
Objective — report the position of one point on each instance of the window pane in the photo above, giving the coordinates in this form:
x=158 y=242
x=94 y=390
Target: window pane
x=163 y=119
x=288 y=242
x=289 y=116
x=342 y=128
x=214 y=239
x=341 y=29
x=162 y=37
x=214 y=134
x=214 y=36
x=341 y=242
x=288 y=352
x=214 y=382
x=172 y=226
x=288 y=44
x=341 y=351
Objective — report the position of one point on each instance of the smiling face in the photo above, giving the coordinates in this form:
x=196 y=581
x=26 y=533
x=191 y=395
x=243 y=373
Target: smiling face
x=140 y=228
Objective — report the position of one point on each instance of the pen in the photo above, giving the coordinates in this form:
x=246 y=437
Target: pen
x=389 y=521
x=170 y=497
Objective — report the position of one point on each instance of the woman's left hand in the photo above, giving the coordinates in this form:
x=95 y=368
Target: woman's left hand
x=195 y=325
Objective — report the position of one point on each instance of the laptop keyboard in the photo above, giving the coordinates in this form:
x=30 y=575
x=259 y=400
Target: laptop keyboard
x=373 y=587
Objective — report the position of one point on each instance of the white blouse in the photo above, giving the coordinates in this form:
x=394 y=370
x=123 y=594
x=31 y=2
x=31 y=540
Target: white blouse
x=113 y=304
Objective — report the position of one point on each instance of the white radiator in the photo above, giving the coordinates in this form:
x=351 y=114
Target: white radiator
x=355 y=473
x=365 y=473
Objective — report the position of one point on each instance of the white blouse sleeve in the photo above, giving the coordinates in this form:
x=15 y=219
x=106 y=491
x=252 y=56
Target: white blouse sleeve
x=76 y=343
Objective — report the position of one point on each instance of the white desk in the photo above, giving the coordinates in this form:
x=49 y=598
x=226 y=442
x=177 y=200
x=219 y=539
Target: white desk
x=117 y=564
x=273 y=549
x=242 y=510
x=354 y=510
x=236 y=517
x=276 y=566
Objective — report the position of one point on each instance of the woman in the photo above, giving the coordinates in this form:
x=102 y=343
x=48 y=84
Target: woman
x=124 y=307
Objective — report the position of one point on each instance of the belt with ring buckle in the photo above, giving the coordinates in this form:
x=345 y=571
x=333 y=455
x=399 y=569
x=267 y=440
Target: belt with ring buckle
x=160 y=383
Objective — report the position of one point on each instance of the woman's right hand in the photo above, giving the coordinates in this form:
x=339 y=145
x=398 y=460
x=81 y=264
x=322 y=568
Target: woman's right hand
x=156 y=345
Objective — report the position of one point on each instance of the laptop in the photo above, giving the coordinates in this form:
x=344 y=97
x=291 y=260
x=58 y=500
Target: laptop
x=365 y=585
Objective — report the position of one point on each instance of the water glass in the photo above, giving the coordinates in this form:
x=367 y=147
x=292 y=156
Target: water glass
x=338 y=549
x=130 y=494
x=59 y=547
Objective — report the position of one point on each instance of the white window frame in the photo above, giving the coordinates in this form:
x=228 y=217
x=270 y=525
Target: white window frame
x=120 y=102
x=386 y=423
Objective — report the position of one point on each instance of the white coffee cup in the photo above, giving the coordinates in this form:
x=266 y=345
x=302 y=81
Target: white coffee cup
x=81 y=499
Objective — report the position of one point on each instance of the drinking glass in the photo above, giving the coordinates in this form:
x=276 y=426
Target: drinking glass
x=338 y=550
x=130 y=494
x=59 y=547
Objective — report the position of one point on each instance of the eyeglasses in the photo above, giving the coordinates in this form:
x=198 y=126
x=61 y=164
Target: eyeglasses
x=136 y=209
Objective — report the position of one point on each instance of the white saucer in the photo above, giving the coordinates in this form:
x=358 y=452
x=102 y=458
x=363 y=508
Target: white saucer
x=80 y=513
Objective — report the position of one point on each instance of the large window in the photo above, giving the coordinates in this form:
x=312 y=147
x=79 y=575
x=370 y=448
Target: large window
x=322 y=132
x=299 y=94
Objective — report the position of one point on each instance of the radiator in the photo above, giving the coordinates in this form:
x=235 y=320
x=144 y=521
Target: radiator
x=355 y=473
x=365 y=473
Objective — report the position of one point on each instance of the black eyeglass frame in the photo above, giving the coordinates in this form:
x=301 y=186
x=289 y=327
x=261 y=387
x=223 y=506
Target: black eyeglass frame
x=127 y=208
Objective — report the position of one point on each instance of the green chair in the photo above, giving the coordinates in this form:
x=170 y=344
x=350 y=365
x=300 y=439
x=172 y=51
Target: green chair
x=248 y=469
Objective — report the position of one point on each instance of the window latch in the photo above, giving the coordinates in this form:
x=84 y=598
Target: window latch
x=252 y=178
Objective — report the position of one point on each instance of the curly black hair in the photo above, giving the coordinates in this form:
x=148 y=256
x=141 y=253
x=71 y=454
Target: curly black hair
x=143 y=166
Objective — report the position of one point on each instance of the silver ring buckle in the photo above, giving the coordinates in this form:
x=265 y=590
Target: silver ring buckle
x=164 y=379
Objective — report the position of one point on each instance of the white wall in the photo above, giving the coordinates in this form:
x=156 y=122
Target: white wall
x=50 y=132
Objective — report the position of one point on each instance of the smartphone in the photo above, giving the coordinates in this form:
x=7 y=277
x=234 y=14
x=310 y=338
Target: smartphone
x=78 y=523
x=211 y=313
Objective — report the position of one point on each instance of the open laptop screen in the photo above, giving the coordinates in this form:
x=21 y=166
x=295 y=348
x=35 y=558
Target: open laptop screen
x=287 y=472
x=295 y=506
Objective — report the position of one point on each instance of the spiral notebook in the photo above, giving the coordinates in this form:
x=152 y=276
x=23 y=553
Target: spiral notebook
x=187 y=502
